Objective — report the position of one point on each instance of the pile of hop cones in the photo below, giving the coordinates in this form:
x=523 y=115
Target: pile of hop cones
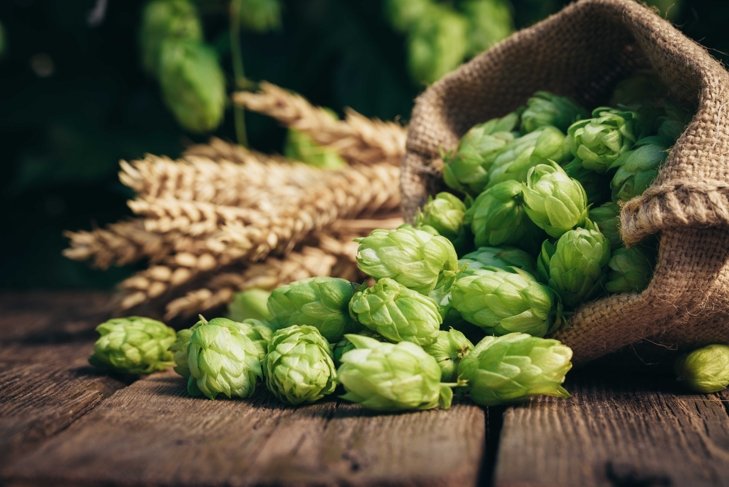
x=223 y=219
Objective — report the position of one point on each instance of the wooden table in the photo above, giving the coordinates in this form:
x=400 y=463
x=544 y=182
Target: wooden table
x=61 y=423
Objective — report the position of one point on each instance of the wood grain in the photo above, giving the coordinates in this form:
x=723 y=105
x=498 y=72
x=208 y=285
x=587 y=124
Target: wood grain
x=619 y=430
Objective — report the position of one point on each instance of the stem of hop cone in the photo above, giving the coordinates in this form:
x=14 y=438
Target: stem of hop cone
x=239 y=78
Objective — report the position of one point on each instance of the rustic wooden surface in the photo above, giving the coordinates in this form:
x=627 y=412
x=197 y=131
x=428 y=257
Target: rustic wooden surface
x=61 y=423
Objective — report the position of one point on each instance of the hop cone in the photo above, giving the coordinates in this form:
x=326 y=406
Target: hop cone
x=344 y=345
x=133 y=345
x=630 y=270
x=260 y=15
x=514 y=367
x=404 y=14
x=554 y=201
x=446 y=213
x=301 y=147
x=546 y=109
x=638 y=168
x=596 y=185
x=397 y=313
x=501 y=257
x=574 y=267
x=467 y=170
x=321 y=302
x=298 y=367
x=607 y=218
x=488 y=22
x=413 y=257
x=179 y=351
x=503 y=301
x=448 y=350
x=599 y=141
x=224 y=357
x=250 y=304
x=193 y=85
x=392 y=377
x=705 y=370
x=520 y=155
x=497 y=217
x=166 y=21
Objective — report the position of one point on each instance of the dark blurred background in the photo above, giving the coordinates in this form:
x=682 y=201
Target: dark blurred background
x=75 y=99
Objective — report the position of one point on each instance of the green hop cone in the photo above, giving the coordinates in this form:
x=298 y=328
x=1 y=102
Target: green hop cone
x=166 y=21
x=392 y=377
x=179 y=351
x=193 y=85
x=574 y=268
x=224 y=357
x=501 y=257
x=133 y=345
x=467 y=169
x=252 y=303
x=630 y=270
x=260 y=15
x=546 y=109
x=488 y=22
x=607 y=219
x=446 y=213
x=413 y=257
x=448 y=350
x=343 y=346
x=502 y=301
x=321 y=302
x=513 y=367
x=596 y=185
x=554 y=201
x=705 y=369
x=301 y=147
x=402 y=15
x=298 y=367
x=436 y=43
x=638 y=168
x=599 y=141
x=497 y=217
x=396 y=312
x=519 y=156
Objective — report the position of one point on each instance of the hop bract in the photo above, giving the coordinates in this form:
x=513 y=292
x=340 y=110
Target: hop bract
x=596 y=185
x=392 y=377
x=515 y=160
x=166 y=21
x=574 y=267
x=607 y=218
x=554 y=201
x=630 y=270
x=397 y=313
x=321 y=302
x=513 y=367
x=497 y=217
x=298 y=367
x=501 y=257
x=446 y=213
x=599 y=141
x=503 y=301
x=224 y=357
x=413 y=257
x=133 y=345
x=545 y=109
x=448 y=350
x=638 y=168
x=467 y=169
x=706 y=369
x=252 y=303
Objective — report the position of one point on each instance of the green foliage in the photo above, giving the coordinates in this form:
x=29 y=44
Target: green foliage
x=164 y=21
x=259 y=15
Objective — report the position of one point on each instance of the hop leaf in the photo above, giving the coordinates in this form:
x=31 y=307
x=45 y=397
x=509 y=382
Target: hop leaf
x=630 y=270
x=397 y=313
x=554 y=201
x=260 y=15
x=596 y=185
x=392 y=377
x=705 y=369
x=413 y=257
x=607 y=218
x=133 y=345
x=599 y=141
x=503 y=301
x=166 y=21
x=501 y=257
x=546 y=109
x=446 y=213
x=638 y=168
x=513 y=367
x=321 y=302
x=448 y=350
x=298 y=367
x=193 y=85
x=251 y=303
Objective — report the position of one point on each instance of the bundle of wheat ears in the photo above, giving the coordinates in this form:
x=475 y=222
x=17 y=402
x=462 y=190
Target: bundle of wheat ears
x=223 y=219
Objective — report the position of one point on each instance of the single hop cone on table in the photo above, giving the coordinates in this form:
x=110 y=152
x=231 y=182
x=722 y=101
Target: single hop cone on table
x=448 y=350
x=392 y=377
x=547 y=109
x=502 y=257
x=599 y=141
x=133 y=345
x=705 y=370
x=298 y=367
x=513 y=367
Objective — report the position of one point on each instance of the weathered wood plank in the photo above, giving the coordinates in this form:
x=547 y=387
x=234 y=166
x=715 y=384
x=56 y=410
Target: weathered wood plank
x=151 y=434
x=614 y=431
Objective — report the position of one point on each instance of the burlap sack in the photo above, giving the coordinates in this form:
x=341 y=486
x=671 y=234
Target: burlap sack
x=582 y=52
